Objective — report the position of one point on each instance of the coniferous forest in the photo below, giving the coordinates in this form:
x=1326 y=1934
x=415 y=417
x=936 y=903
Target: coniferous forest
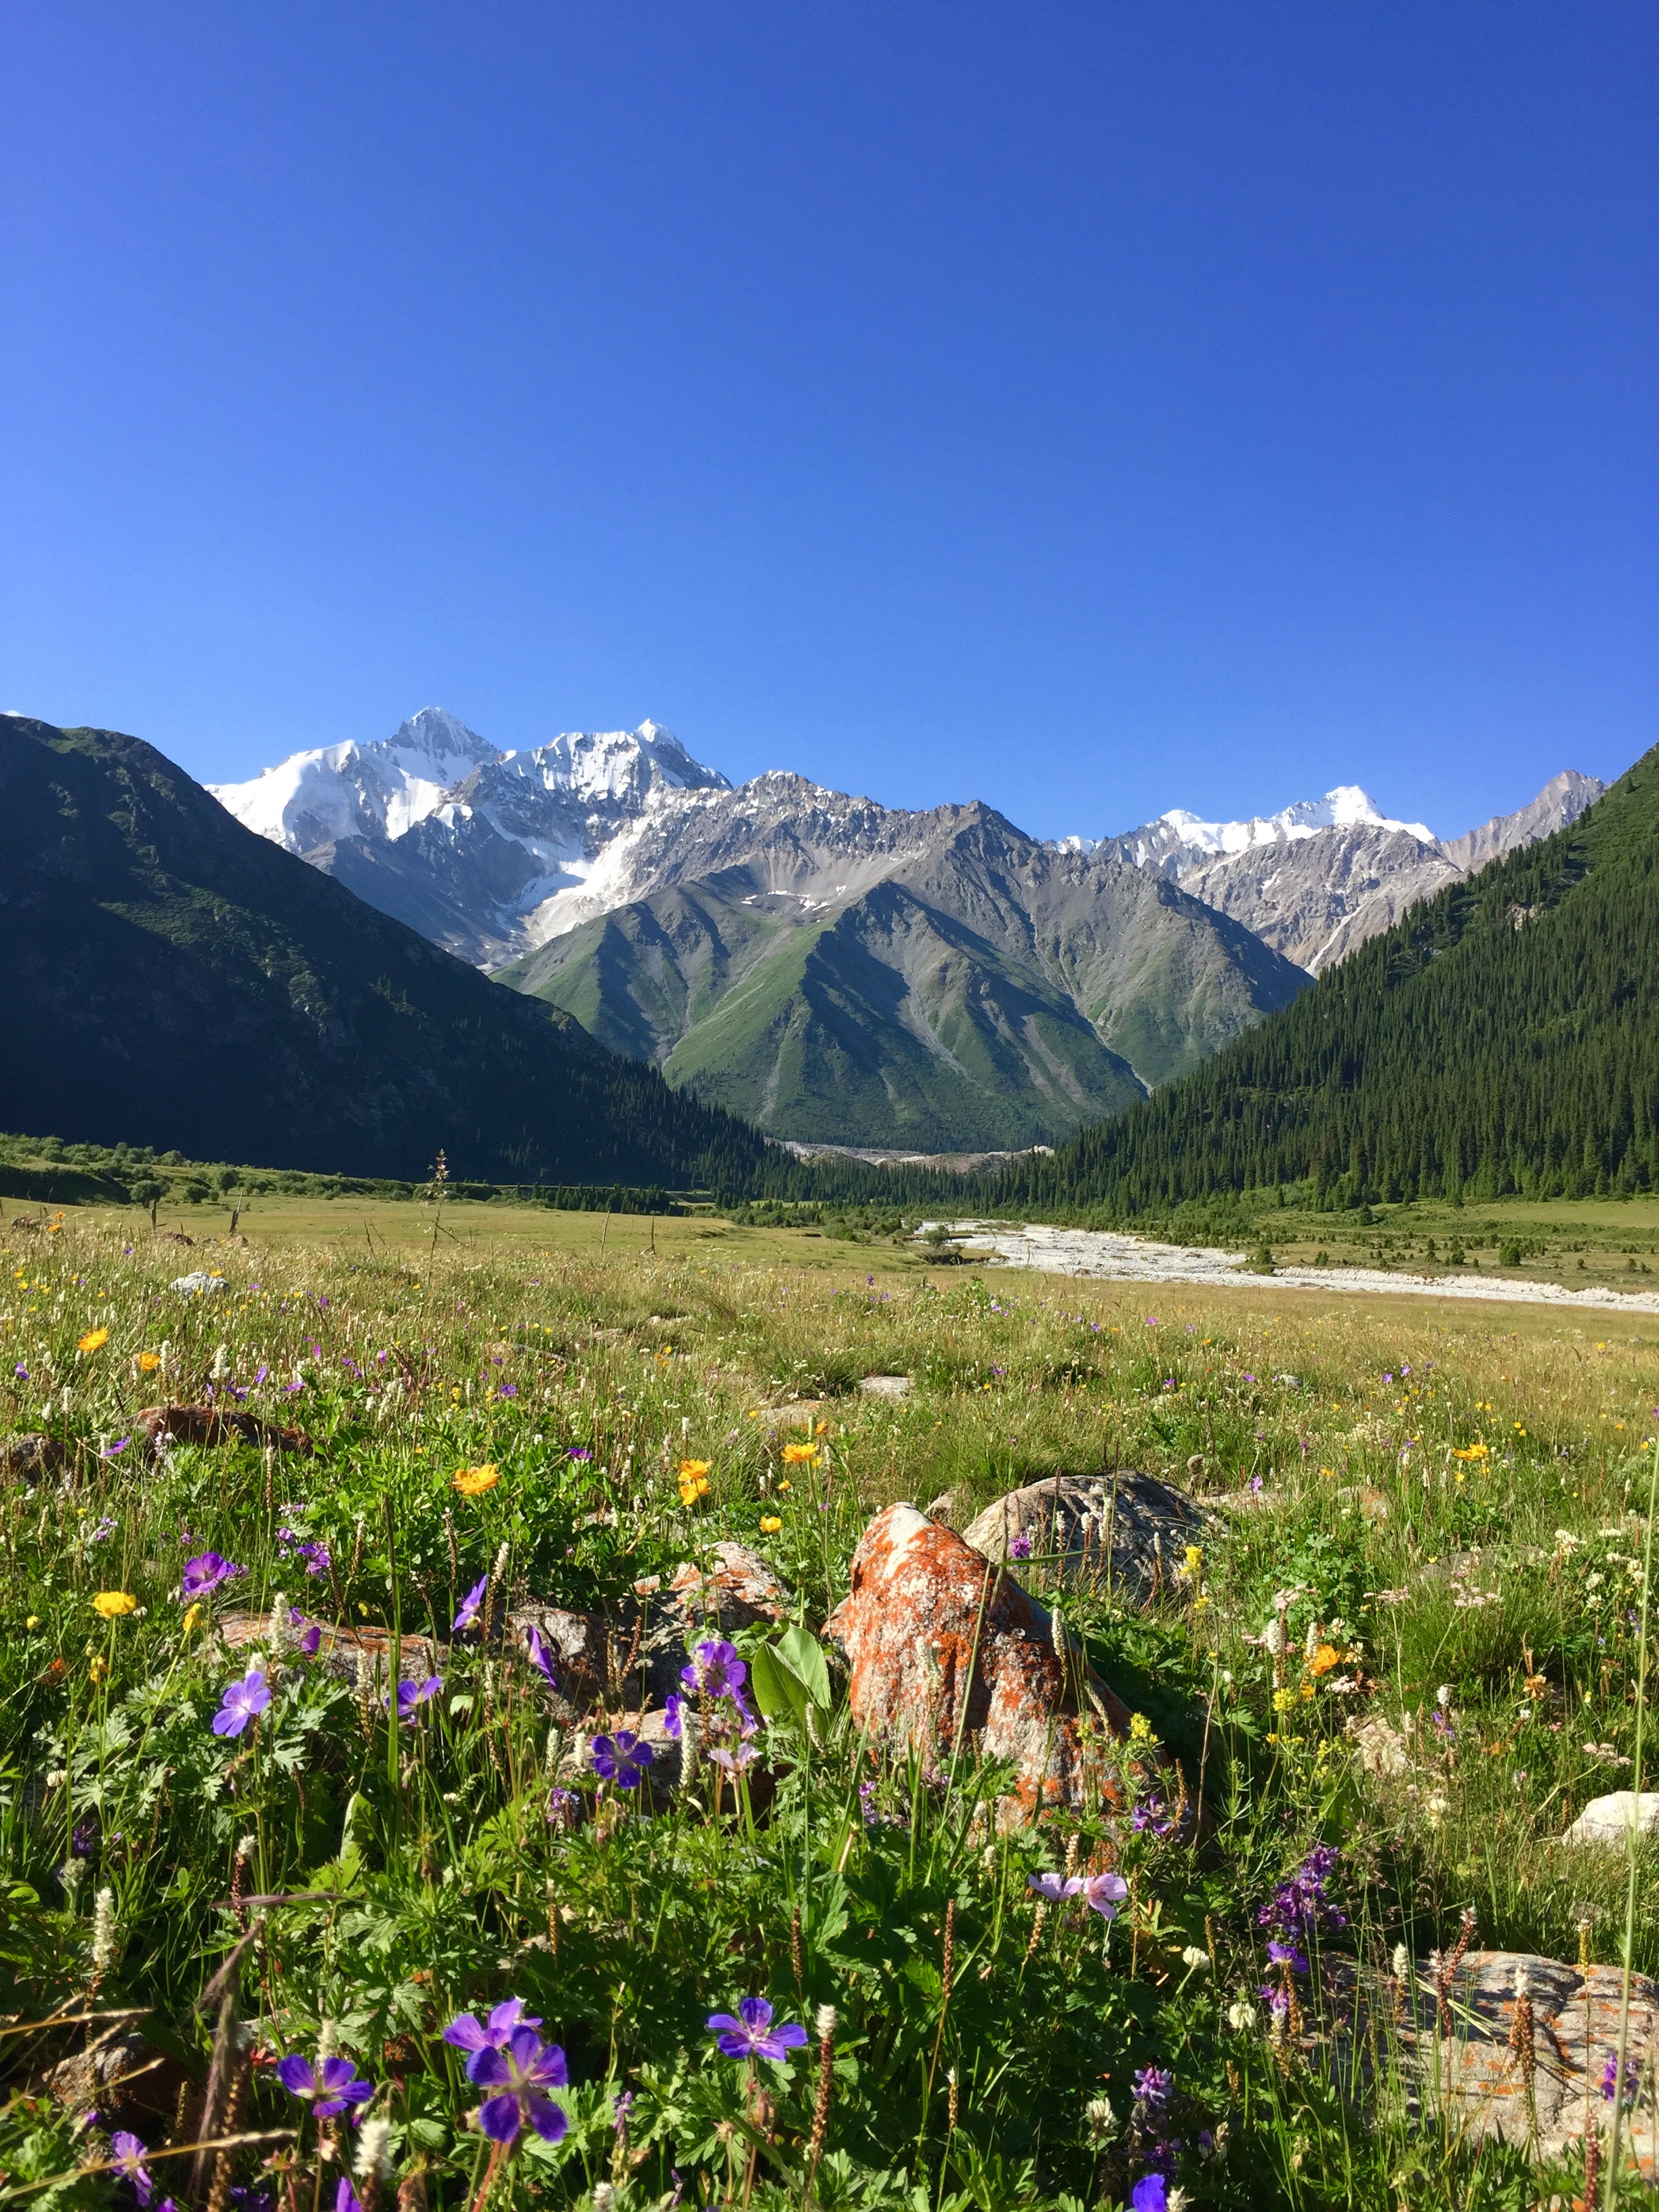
x=1500 y=1038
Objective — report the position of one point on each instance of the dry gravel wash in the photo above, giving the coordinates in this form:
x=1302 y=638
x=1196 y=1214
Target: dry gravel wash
x=1112 y=1253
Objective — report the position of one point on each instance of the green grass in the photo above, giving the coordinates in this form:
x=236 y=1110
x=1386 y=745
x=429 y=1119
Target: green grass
x=423 y=1873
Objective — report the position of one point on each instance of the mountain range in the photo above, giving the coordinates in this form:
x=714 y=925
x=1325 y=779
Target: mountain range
x=172 y=979
x=837 y=970
x=1501 y=1037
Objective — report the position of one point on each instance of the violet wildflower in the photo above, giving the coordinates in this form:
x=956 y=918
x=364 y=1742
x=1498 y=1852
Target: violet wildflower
x=1051 y=1887
x=328 y=2088
x=671 y=1720
x=1150 y=2194
x=751 y=2034
x=867 y=1804
x=1149 y=1814
x=1100 y=1893
x=468 y=1606
x=536 y=1645
x=621 y=1758
x=580 y=1451
x=506 y=1390
x=1153 y=2086
x=345 y=2197
x=411 y=1696
x=127 y=2156
x=243 y=1702
x=1019 y=1548
x=1610 y=2083
x=1286 y=1954
x=715 y=1670
x=733 y=1762
x=467 y=2034
x=520 y=2072
x=206 y=1572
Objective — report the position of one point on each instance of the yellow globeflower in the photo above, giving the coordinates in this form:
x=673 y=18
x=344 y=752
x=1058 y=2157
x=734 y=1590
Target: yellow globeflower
x=193 y=1619
x=1324 y=1658
x=694 y=1481
x=112 y=1604
x=799 y=1454
x=147 y=1362
x=473 y=1481
x=770 y=1524
x=94 y=1340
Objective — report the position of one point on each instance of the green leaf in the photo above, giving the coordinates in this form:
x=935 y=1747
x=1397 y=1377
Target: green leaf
x=779 y=1692
x=802 y=1653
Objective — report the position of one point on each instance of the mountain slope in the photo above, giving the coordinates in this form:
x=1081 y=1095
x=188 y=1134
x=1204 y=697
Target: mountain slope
x=1503 y=1036
x=175 y=980
x=930 y=980
x=1320 y=878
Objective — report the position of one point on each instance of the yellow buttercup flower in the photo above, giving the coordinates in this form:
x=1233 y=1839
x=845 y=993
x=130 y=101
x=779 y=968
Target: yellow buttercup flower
x=473 y=1481
x=147 y=1362
x=799 y=1454
x=99 y=1668
x=770 y=1524
x=193 y=1619
x=112 y=1604
x=93 y=1340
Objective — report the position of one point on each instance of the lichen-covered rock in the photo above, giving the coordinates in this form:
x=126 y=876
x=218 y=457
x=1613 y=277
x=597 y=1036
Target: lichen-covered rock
x=218 y=1425
x=944 y=1647
x=124 y=2078
x=1610 y=1821
x=343 y=1651
x=739 y=1591
x=1126 y=1529
x=1480 y=2074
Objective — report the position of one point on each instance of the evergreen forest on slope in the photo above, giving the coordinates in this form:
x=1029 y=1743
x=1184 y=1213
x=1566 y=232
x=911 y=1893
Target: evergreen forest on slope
x=1502 y=1038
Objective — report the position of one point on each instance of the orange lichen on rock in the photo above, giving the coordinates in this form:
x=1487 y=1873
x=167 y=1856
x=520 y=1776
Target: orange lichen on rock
x=947 y=1651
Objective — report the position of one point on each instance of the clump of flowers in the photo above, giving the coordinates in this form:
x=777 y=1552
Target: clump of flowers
x=1298 y=1909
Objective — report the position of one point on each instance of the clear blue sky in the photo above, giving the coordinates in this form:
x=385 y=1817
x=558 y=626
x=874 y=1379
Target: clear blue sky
x=1089 y=409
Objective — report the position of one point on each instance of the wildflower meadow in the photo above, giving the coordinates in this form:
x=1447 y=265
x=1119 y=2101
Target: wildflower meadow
x=325 y=1887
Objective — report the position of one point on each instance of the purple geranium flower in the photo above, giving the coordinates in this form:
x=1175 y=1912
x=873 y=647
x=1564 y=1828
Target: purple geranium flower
x=206 y=1571
x=127 y=2159
x=536 y=1644
x=470 y=1604
x=411 y=1696
x=580 y=1451
x=520 y=2072
x=1610 y=2087
x=715 y=1670
x=506 y=1390
x=670 y=1711
x=1100 y=1893
x=466 y=2034
x=345 y=2197
x=621 y=1758
x=733 y=1762
x=244 y=1701
x=328 y=2088
x=1053 y=1888
x=1150 y=2194
x=752 y=2035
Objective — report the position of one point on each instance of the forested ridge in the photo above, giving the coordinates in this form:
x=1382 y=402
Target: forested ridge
x=1502 y=1038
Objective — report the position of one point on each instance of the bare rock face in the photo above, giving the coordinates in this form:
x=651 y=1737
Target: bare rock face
x=1611 y=1821
x=1126 y=1529
x=123 y=2077
x=218 y=1425
x=944 y=1646
x=346 y=1652
x=25 y=1458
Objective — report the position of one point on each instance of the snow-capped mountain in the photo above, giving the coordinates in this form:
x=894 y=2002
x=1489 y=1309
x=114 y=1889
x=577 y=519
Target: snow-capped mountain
x=487 y=852
x=1320 y=877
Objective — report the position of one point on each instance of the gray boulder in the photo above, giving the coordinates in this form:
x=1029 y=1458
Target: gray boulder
x=1124 y=1528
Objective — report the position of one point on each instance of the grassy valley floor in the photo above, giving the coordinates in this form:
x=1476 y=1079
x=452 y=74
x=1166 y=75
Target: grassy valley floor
x=1442 y=1507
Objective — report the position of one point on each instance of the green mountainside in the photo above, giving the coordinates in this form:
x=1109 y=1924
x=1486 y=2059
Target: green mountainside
x=983 y=993
x=173 y=980
x=1502 y=1038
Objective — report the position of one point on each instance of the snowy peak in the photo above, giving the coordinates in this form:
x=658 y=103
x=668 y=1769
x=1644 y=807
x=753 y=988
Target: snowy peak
x=1179 y=837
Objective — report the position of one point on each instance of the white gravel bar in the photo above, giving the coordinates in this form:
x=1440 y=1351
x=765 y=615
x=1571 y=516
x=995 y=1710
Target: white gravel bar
x=1116 y=1256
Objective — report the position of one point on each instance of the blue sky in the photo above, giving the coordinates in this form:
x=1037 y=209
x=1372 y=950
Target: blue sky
x=1088 y=409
